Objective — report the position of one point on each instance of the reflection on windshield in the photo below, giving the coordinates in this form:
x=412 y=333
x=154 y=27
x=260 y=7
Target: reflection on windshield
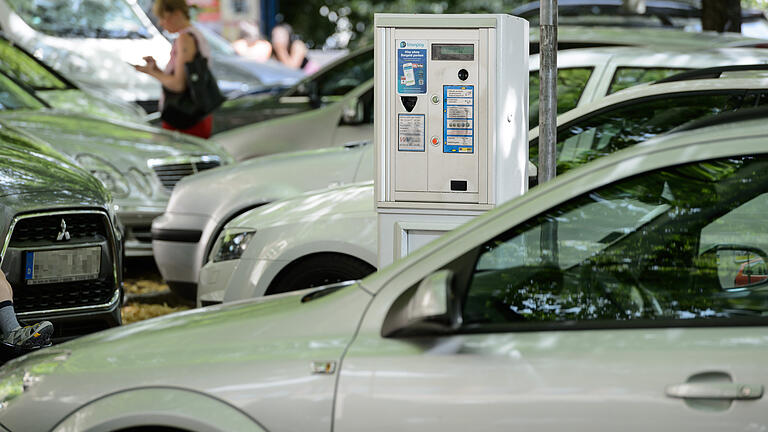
x=27 y=70
x=13 y=97
x=108 y=19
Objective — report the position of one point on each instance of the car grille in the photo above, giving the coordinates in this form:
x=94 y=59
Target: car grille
x=46 y=228
x=62 y=295
x=170 y=171
x=84 y=227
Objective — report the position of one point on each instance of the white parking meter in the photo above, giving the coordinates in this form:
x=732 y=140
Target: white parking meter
x=451 y=121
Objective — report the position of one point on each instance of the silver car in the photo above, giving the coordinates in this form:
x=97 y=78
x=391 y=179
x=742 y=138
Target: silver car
x=631 y=319
x=139 y=164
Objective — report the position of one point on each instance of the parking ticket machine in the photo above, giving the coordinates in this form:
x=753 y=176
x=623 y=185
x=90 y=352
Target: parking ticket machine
x=451 y=122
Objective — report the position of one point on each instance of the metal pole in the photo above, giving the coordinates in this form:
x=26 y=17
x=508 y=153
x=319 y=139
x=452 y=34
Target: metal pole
x=548 y=117
x=547 y=90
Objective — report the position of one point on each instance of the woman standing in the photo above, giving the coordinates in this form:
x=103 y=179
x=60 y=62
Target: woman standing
x=173 y=16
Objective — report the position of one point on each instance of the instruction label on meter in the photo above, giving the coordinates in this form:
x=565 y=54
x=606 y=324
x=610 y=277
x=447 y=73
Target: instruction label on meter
x=411 y=67
x=410 y=132
x=458 y=119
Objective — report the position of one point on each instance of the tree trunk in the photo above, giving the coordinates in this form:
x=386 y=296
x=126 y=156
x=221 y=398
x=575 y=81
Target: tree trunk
x=721 y=15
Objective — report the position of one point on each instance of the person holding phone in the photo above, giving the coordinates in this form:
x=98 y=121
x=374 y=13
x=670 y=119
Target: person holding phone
x=173 y=16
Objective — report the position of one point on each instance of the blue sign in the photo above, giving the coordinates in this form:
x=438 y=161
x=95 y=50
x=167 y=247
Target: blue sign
x=412 y=67
x=458 y=119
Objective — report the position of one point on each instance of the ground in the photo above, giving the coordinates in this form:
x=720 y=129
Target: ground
x=146 y=295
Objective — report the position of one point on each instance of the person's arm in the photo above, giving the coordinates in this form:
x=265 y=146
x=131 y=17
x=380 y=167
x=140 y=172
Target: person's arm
x=296 y=56
x=175 y=82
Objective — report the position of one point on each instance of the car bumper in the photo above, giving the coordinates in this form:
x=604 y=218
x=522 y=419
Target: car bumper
x=138 y=229
x=237 y=279
x=78 y=321
x=179 y=242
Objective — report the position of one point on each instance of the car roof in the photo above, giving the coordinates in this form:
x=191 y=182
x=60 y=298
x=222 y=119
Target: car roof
x=647 y=56
x=620 y=36
x=651 y=89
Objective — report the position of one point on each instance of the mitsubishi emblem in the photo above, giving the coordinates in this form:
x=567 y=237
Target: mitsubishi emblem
x=64 y=234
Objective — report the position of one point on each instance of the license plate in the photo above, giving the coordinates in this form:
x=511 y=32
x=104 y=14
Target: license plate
x=62 y=265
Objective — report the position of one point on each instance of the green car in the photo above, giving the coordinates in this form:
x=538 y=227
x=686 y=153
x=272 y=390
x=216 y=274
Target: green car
x=59 y=237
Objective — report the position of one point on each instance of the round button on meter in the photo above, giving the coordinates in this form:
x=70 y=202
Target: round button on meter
x=434 y=141
x=463 y=74
x=435 y=99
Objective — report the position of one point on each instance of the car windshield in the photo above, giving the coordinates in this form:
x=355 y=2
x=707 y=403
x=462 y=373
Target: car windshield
x=17 y=64
x=107 y=19
x=13 y=97
x=340 y=79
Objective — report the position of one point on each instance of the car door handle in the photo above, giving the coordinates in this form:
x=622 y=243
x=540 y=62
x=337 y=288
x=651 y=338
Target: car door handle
x=715 y=391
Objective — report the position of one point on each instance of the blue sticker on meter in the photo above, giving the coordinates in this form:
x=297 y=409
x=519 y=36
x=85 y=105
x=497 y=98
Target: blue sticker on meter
x=458 y=119
x=412 y=67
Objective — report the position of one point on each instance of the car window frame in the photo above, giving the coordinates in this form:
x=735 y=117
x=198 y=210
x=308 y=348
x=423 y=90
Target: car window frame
x=463 y=276
x=623 y=104
x=617 y=68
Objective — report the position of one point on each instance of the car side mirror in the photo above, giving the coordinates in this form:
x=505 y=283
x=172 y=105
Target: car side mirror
x=352 y=113
x=433 y=307
x=738 y=266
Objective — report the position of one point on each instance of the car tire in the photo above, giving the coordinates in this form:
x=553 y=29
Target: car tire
x=318 y=270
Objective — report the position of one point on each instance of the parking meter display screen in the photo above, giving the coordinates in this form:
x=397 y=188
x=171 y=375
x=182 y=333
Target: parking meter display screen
x=460 y=52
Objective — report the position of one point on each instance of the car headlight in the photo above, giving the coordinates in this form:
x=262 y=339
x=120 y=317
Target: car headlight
x=231 y=244
x=107 y=173
x=15 y=379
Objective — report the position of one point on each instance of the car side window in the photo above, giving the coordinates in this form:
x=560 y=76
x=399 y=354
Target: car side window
x=570 y=85
x=663 y=246
x=626 y=77
x=626 y=125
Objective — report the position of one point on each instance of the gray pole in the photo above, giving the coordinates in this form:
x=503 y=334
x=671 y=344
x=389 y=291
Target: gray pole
x=548 y=117
x=547 y=89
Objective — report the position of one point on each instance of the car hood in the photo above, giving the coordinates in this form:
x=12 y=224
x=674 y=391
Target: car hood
x=32 y=175
x=310 y=207
x=128 y=144
x=75 y=100
x=246 y=353
x=266 y=179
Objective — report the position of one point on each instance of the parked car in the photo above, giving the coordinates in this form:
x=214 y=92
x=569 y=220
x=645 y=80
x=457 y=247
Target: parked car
x=669 y=14
x=91 y=43
x=60 y=244
x=202 y=204
x=95 y=43
x=584 y=75
x=326 y=86
x=58 y=91
x=139 y=164
x=277 y=247
x=476 y=329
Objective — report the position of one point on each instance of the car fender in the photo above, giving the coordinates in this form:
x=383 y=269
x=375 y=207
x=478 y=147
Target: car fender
x=159 y=406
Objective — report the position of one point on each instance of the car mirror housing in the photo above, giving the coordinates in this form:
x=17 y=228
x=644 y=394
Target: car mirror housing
x=432 y=307
x=738 y=266
x=352 y=114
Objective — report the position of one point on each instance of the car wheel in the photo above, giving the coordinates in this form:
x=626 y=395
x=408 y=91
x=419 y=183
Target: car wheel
x=319 y=270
